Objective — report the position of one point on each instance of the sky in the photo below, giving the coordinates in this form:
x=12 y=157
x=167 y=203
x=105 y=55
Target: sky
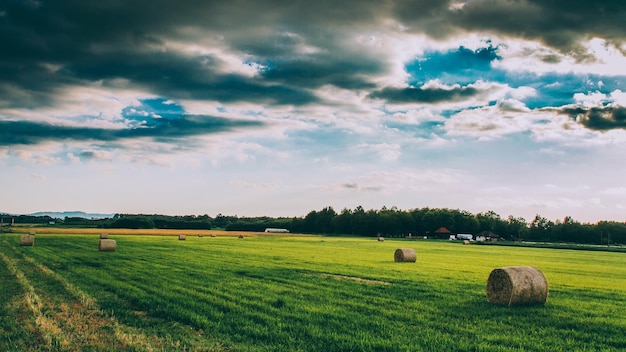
x=280 y=107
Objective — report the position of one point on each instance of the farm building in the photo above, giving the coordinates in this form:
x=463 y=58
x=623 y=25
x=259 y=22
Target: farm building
x=490 y=236
x=276 y=230
x=441 y=232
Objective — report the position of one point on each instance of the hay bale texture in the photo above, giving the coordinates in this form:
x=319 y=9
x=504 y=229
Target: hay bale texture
x=405 y=255
x=104 y=236
x=107 y=245
x=517 y=285
x=27 y=240
x=182 y=237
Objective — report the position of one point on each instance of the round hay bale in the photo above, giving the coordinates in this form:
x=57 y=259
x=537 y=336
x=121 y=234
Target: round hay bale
x=466 y=242
x=240 y=236
x=107 y=245
x=405 y=255
x=517 y=285
x=200 y=235
x=104 y=236
x=381 y=239
x=32 y=233
x=212 y=235
x=27 y=240
x=182 y=237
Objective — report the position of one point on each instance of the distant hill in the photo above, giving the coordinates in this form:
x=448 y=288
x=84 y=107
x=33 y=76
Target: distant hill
x=72 y=214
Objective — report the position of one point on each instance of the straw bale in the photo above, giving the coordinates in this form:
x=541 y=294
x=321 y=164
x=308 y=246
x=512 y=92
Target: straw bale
x=405 y=255
x=517 y=285
x=32 y=233
x=104 y=236
x=212 y=235
x=200 y=235
x=27 y=240
x=381 y=239
x=107 y=245
x=466 y=242
x=182 y=237
x=240 y=236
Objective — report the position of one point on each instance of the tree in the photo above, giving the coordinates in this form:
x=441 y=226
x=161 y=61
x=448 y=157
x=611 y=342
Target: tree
x=516 y=227
x=341 y=223
x=133 y=222
x=540 y=229
x=465 y=222
x=320 y=221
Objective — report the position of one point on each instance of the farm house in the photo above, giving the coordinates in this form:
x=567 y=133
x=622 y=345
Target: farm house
x=442 y=233
x=490 y=236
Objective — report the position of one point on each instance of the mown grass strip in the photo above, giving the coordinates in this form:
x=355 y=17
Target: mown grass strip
x=73 y=324
x=92 y=316
x=18 y=331
x=53 y=336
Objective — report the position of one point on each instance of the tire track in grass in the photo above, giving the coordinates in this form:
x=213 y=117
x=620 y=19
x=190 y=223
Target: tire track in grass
x=72 y=326
x=50 y=331
x=18 y=331
x=97 y=316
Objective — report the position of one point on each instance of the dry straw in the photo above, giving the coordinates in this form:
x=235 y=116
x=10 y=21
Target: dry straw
x=182 y=237
x=104 y=236
x=405 y=255
x=517 y=285
x=381 y=239
x=27 y=240
x=107 y=245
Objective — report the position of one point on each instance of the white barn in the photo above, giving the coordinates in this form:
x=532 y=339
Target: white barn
x=464 y=236
x=276 y=230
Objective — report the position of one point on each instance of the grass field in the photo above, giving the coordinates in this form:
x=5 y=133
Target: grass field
x=283 y=293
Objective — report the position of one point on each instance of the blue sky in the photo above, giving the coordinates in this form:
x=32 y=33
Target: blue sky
x=183 y=108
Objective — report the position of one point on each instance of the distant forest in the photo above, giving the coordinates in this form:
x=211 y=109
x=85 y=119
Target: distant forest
x=389 y=222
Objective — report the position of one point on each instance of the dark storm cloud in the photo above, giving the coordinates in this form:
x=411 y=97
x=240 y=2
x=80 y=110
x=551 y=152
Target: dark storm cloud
x=425 y=95
x=81 y=42
x=31 y=133
x=47 y=45
x=180 y=77
x=599 y=118
x=318 y=72
x=560 y=24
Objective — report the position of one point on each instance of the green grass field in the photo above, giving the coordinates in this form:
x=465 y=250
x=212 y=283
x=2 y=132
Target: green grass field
x=156 y=293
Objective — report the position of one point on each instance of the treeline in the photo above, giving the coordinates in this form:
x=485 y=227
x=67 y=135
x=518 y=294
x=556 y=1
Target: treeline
x=128 y=221
x=392 y=222
x=202 y=222
x=389 y=222
x=6 y=219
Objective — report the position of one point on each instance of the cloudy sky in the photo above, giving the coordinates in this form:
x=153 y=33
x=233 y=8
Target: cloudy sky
x=279 y=107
